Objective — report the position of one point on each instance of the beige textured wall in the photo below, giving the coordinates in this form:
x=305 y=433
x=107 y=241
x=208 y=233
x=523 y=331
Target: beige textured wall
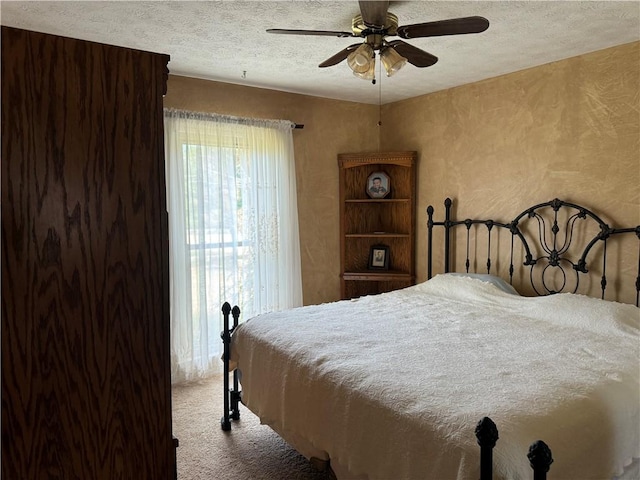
x=569 y=129
x=331 y=127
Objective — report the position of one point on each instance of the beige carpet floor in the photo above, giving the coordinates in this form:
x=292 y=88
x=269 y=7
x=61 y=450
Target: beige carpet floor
x=250 y=451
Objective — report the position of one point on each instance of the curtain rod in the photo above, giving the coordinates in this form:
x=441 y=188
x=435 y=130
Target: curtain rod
x=241 y=120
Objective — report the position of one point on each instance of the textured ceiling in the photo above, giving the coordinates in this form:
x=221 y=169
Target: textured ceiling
x=226 y=40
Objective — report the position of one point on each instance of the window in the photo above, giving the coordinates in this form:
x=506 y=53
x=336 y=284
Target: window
x=233 y=228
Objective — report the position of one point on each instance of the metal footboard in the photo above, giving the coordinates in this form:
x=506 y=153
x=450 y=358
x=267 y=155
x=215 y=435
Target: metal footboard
x=539 y=454
x=231 y=397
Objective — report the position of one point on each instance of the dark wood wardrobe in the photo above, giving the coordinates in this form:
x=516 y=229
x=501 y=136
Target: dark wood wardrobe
x=86 y=390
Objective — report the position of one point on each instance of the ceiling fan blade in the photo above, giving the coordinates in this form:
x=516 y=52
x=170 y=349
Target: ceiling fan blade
x=340 y=56
x=374 y=14
x=454 y=26
x=325 y=33
x=414 y=55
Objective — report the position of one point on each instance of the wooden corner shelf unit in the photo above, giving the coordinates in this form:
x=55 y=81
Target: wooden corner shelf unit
x=387 y=222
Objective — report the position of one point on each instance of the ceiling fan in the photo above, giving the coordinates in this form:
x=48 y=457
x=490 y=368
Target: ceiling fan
x=375 y=23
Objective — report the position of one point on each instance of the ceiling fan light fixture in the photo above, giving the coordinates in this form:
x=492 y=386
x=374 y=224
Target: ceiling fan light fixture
x=370 y=74
x=391 y=60
x=361 y=60
x=375 y=23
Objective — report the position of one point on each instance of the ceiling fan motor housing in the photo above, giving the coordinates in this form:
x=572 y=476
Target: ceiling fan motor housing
x=361 y=29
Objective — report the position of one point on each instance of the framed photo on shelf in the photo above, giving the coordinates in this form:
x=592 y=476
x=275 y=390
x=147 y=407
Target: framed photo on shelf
x=379 y=257
x=378 y=185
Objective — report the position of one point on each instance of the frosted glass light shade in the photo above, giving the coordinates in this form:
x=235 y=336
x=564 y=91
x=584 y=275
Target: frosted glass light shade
x=361 y=59
x=392 y=61
x=369 y=74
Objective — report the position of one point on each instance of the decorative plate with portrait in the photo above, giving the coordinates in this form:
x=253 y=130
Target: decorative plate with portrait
x=378 y=185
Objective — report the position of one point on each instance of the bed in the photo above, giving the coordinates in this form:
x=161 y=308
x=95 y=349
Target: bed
x=395 y=385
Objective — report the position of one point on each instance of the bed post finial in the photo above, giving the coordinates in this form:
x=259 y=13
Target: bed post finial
x=487 y=435
x=540 y=459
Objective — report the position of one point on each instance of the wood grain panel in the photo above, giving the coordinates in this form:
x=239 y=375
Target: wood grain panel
x=85 y=379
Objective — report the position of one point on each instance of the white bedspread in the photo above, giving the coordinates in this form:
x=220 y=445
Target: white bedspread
x=391 y=386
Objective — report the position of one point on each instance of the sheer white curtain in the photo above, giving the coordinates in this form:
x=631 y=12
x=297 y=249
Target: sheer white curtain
x=233 y=226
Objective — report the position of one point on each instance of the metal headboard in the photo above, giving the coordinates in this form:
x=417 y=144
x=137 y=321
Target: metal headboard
x=555 y=225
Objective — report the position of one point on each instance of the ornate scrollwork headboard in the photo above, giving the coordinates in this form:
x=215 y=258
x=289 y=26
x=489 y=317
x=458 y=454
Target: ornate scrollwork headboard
x=555 y=241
